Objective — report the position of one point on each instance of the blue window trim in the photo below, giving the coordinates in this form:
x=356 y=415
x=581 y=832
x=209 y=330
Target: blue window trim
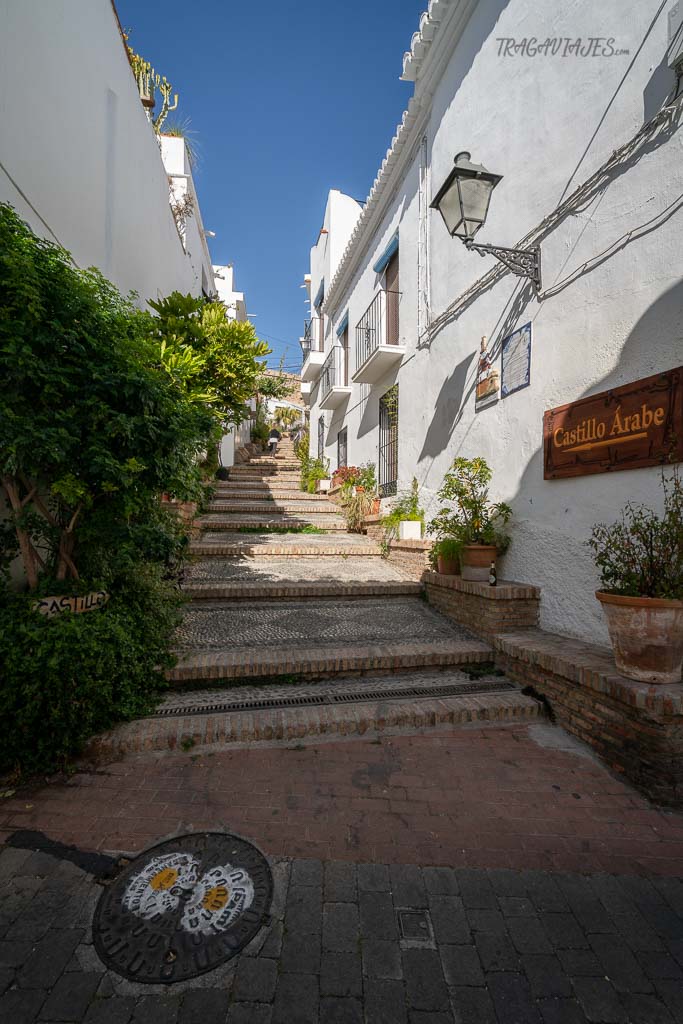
x=343 y=325
x=320 y=294
x=381 y=263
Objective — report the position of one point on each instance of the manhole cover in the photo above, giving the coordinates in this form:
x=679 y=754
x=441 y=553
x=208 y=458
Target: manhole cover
x=182 y=908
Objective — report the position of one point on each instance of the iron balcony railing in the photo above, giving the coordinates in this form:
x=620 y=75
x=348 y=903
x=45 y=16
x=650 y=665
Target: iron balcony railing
x=332 y=374
x=378 y=325
x=312 y=340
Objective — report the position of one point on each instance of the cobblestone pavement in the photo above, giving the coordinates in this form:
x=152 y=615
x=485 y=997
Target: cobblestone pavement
x=292 y=570
x=367 y=943
x=294 y=624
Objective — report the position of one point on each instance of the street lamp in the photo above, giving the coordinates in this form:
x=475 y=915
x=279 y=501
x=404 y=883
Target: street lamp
x=463 y=202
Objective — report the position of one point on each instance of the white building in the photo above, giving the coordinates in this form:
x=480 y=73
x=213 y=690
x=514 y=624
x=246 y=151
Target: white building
x=79 y=159
x=568 y=102
x=234 y=301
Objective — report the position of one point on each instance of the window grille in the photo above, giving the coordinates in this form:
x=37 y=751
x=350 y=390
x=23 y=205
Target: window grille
x=321 y=437
x=342 y=452
x=388 y=442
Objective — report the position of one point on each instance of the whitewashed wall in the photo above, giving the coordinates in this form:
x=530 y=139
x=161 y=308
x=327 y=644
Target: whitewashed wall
x=75 y=140
x=546 y=124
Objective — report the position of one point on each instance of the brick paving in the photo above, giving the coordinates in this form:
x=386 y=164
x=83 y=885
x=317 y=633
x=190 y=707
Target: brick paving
x=550 y=888
x=517 y=796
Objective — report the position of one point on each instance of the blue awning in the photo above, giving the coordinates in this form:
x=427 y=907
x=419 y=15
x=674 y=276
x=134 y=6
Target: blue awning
x=320 y=295
x=381 y=263
x=343 y=325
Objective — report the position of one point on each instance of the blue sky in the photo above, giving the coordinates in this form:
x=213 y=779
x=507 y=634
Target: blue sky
x=286 y=100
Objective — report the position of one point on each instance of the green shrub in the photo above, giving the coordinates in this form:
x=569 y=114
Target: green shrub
x=70 y=676
x=642 y=556
x=469 y=516
x=406 y=508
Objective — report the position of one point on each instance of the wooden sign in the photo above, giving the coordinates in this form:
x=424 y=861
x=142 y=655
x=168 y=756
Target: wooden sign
x=50 y=606
x=636 y=425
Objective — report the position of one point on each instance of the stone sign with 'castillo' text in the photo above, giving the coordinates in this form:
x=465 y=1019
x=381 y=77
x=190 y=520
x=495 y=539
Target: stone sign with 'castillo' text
x=639 y=424
x=50 y=606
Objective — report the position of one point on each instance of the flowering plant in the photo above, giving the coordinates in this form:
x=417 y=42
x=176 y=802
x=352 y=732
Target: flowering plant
x=345 y=474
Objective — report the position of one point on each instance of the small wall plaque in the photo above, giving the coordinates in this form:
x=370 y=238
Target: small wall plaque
x=516 y=361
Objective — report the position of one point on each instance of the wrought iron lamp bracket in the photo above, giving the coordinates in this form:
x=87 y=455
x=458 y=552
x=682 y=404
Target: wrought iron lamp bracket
x=523 y=262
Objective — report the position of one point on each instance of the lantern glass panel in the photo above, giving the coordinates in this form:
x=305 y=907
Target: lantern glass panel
x=451 y=210
x=476 y=195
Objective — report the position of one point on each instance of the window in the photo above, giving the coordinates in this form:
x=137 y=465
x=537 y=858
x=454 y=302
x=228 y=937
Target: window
x=388 y=442
x=342 y=453
x=321 y=437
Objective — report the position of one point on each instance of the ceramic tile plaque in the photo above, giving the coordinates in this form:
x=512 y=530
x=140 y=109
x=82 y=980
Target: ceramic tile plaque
x=516 y=361
x=636 y=425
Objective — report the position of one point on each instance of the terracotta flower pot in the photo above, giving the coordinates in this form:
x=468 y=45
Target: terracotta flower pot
x=376 y=502
x=476 y=561
x=448 y=566
x=646 y=635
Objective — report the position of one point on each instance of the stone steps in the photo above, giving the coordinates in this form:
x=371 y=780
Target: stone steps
x=264 y=492
x=292 y=569
x=298 y=590
x=247 y=639
x=285 y=545
x=320 y=662
x=264 y=476
x=350 y=707
x=273 y=506
x=237 y=521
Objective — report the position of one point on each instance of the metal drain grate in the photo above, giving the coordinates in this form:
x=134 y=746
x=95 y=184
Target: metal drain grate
x=350 y=697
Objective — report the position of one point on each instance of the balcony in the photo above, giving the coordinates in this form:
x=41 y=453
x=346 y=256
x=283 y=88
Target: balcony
x=333 y=391
x=377 y=348
x=312 y=348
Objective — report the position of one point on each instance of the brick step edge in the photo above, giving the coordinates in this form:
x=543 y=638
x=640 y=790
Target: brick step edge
x=268 y=506
x=266 y=493
x=321 y=662
x=350 y=720
x=264 y=524
x=298 y=590
x=228 y=550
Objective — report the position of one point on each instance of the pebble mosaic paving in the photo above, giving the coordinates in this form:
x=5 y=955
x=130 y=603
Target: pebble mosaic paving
x=315 y=540
x=276 y=624
x=291 y=570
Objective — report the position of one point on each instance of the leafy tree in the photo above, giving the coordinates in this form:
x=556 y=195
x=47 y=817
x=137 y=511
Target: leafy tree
x=216 y=359
x=92 y=429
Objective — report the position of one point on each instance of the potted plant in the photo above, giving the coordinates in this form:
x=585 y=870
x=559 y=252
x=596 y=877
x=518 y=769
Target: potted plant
x=446 y=556
x=640 y=560
x=472 y=519
x=314 y=471
x=357 y=507
x=406 y=517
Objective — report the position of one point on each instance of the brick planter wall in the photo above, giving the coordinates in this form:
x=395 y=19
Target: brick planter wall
x=410 y=556
x=483 y=609
x=636 y=728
